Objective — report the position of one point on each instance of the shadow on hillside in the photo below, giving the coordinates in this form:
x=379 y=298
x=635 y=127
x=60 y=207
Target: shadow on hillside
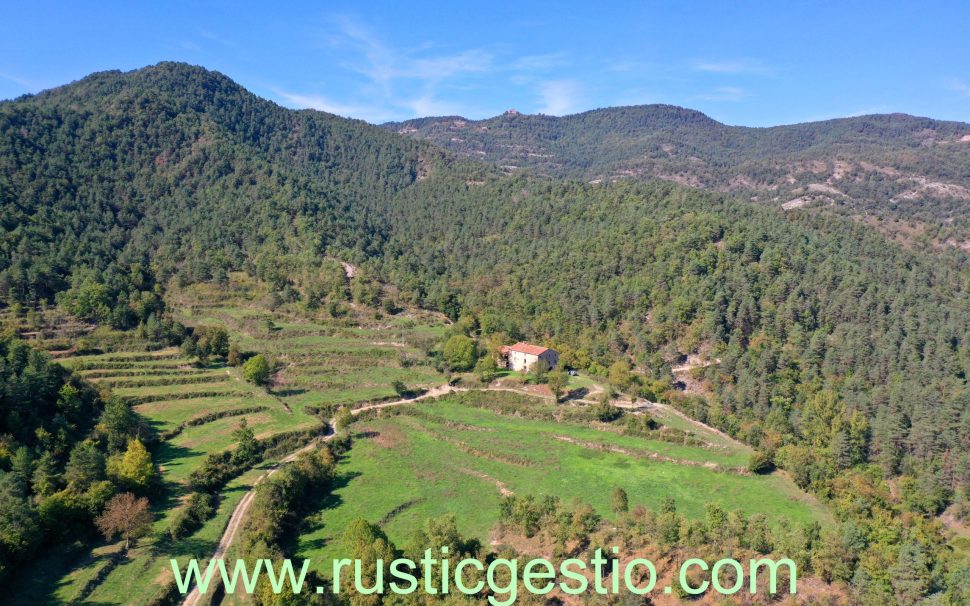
x=167 y=453
x=576 y=394
x=317 y=522
x=292 y=391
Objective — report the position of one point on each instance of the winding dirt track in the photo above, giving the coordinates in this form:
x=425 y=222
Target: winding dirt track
x=239 y=513
x=242 y=508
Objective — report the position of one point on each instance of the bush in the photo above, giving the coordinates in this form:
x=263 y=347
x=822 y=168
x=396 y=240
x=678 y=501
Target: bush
x=760 y=463
x=200 y=508
x=606 y=412
x=256 y=370
x=234 y=357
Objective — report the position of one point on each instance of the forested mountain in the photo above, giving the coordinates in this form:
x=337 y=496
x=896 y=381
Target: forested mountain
x=894 y=165
x=127 y=178
x=842 y=355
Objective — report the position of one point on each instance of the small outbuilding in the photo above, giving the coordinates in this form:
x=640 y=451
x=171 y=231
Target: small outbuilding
x=523 y=356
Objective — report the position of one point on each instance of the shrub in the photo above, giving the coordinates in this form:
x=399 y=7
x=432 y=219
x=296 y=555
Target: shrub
x=200 y=508
x=606 y=412
x=487 y=369
x=760 y=463
x=234 y=357
x=256 y=370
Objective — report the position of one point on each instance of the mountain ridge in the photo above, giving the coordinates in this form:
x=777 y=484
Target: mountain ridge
x=686 y=110
x=894 y=166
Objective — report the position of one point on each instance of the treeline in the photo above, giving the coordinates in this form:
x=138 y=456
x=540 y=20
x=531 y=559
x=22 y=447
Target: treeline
x=64 y=454
x=545 y=525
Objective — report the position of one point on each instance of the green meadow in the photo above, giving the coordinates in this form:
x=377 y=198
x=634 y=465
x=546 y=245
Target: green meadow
x=444 y=456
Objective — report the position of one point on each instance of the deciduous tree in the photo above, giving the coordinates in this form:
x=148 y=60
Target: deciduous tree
x=127 y=515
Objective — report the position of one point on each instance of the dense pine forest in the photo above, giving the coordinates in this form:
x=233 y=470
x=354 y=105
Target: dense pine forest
x=814 y=319
x=840 y=355
x=134 y=177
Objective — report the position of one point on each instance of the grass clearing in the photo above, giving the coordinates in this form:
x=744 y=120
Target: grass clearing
x=448 y=457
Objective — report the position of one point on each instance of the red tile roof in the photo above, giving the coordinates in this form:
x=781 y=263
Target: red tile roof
x=528 y=348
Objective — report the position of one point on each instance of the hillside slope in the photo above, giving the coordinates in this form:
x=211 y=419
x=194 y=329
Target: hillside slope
x=175 y=169
x=895 y=165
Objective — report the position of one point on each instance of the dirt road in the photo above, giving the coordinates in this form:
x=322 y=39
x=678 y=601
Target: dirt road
x=239 y=513
x=242 y=508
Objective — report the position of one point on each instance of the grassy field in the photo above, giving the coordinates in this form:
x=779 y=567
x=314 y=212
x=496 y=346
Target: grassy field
x=448 y=457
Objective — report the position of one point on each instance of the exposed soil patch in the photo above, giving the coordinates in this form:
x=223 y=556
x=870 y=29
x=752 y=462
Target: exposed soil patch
x=388 y=437
x=502 y=488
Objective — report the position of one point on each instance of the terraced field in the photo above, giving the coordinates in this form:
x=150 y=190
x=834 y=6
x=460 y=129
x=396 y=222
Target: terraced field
x=322 y=360
x=454 y=456
x=196 y=409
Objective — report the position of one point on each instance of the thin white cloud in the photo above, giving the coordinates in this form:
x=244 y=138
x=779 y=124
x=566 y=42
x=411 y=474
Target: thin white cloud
x=383 y=65
x=734 y=67
x=959 y=86
x=429 y=106
x=559 y=97
x=377 y=62
x=725 y=93
x=209 y=35
x=398 y=83
x=371 y=113
x=438 y=68
x=547 y=61
x=625 y=66
x=27 y=84
x=868 y=111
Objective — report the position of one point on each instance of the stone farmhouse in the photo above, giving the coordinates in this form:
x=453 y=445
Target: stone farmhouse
x=522 y=356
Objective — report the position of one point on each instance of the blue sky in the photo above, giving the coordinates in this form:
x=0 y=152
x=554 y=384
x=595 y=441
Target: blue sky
x=751 y=63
